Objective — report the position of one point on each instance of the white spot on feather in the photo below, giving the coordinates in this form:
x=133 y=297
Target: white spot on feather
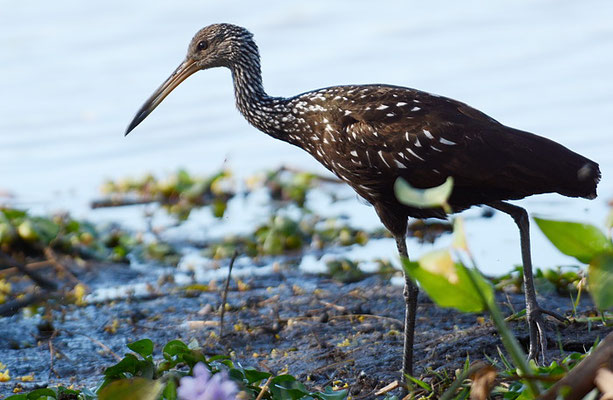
x=382 y=107
x=428 y=134
x=383 y=158
x=354 y=153
x=415 y=109
x=401 y=103
x=414 y=154
x=447 y=142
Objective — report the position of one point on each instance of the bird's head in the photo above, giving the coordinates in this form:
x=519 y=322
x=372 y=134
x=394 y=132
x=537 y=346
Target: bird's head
x=218 y=45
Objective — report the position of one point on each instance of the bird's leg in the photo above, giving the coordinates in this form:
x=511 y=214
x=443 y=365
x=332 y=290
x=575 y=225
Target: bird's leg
x=536 y=322
x=410 y=298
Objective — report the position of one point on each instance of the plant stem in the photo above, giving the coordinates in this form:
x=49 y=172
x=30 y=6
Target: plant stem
x=508 y=339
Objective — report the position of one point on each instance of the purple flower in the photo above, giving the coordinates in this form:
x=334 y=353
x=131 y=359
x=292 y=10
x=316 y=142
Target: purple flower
x=203 y=386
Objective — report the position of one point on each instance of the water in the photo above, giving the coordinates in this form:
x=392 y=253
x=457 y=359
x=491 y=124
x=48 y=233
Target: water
x=72 y=75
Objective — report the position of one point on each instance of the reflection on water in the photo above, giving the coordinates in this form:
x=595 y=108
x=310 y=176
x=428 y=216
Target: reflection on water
x=72 y=74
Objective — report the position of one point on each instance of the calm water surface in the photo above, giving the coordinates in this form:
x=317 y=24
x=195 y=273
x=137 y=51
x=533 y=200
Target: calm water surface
x=73 y=73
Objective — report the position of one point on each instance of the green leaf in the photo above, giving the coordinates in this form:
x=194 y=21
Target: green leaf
x=253 y=375
x=131 y=389
x=17 y=397
x=423 y=198
x=448 y=284
x=41 y=394
x=330 y=394
x=46 y=229
x=12 y=214
x=173 y=348
x=582 y=241
x=419 y=383
x=129 y=364
x=600 y=280
x=144 y=347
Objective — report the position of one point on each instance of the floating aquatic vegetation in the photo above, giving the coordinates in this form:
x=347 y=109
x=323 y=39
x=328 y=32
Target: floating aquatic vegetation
x=178 y=193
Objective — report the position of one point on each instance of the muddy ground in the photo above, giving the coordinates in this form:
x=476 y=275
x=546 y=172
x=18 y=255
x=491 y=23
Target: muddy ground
x=314 y=328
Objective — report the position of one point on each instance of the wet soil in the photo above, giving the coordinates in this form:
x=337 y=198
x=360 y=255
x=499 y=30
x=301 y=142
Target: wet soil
x=317 y=329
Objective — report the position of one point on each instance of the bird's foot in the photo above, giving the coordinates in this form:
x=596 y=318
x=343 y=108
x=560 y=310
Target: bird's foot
x=538 y=337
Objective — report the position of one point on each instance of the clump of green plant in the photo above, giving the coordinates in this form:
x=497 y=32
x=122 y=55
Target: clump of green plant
x=281 y=234
x=347 y=271
x=589 y=245
x=178 y=193
x=139 y=376
x=286 y=186
x=450 y=283
x=562 y=280
x=344 y=270
x=23 y=233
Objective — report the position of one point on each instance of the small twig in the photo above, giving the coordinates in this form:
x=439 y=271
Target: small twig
x=387 y=388
x=11 y=307
x=332 y=305
x=122 y=201
x=51 y=369
x=99 y=343
x=6 y=270
x=225 y=293
x=35 y=276
x=390 y=319
x=264 y=388
x=50 y=254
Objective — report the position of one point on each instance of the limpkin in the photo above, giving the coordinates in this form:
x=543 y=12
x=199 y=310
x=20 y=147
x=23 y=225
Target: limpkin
x=369 y=135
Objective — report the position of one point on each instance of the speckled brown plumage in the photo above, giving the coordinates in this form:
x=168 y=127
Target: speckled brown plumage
x=369 y=135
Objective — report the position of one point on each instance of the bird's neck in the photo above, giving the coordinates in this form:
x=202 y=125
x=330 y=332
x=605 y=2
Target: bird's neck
x=261 y=110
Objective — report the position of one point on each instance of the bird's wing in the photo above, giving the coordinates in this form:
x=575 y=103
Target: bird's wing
x=422 y=137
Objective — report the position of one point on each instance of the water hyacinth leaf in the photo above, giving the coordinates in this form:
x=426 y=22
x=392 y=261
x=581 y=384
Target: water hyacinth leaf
x=582 y=241
x=423 y=198
x=46 y=229
x=130 y=389
x=173 y=348
x=41 y=394
x=144 y=347
x=448 y=284
x=600 y=280
x=329 y=394
x=129 y=364
x=253 y=375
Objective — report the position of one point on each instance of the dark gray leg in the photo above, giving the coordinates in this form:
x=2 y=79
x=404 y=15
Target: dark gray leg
x=410 y=298
x=536 y=322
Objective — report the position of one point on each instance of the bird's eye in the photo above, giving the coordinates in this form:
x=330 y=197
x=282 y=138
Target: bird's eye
x=202 y=45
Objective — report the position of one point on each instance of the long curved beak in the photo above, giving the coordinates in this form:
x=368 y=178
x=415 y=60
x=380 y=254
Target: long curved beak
x=187 y=68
